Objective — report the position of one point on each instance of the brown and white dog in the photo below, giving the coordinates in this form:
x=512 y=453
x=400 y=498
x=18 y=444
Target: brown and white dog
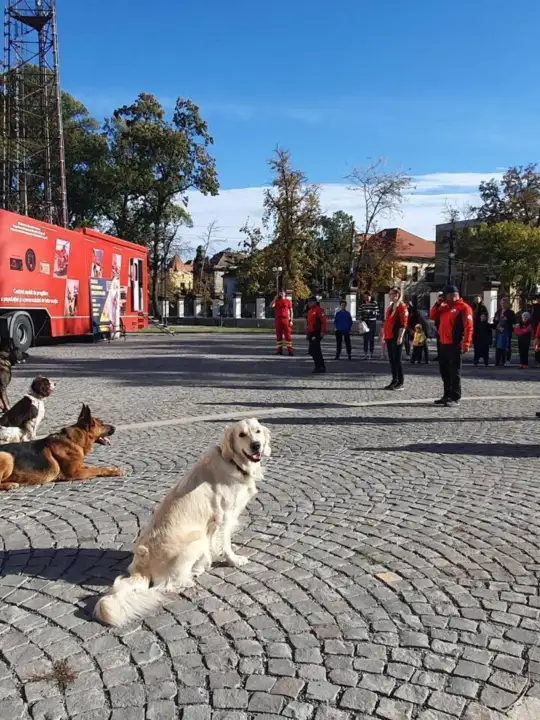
x=21 y=422
x=192 y=527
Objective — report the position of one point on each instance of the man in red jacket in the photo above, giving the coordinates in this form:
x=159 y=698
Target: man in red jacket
x=283 y=322
x=315 y=331
x=455 y=320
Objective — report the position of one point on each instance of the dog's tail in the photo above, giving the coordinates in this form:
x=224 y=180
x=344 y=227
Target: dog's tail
x=130 y=598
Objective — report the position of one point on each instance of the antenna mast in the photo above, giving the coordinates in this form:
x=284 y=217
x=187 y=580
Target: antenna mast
x=33 y=157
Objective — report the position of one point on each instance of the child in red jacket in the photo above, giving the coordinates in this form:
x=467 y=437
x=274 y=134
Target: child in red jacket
x=524 y=332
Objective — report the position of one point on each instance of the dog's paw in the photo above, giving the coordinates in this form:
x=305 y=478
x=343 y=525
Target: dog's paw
x=117 y=472
x=237 y=560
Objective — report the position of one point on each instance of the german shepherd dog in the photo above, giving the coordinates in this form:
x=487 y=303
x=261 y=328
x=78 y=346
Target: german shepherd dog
x=9 y=356
x=58 y=457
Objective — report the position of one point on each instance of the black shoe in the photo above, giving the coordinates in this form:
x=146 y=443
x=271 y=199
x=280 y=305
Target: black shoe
x=319 y=370
x=452 y=403
x=337 y=357
x=390 y=386
x=279 y=352
x=350 y=357
x=398 y=386
x=290 y=353
x=441 y=401
x=538 y=414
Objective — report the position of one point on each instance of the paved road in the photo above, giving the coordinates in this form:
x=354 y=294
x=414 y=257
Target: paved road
x=395 y=547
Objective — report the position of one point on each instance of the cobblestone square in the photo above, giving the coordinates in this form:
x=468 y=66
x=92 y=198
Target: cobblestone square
x=394 y=546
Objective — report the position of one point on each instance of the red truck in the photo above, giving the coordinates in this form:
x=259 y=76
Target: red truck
x=57 y=283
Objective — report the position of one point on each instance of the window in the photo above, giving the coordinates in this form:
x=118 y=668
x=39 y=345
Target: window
x=414 y=276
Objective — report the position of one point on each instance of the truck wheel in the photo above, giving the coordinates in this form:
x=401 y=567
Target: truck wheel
x=21 y=331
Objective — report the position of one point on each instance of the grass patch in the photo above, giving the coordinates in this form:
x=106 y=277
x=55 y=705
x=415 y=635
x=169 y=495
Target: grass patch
x=62 y=674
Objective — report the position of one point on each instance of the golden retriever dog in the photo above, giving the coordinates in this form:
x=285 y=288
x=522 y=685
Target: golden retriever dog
x=192 y=527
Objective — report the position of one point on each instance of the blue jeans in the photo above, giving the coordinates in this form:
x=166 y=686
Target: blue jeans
x=369 y=337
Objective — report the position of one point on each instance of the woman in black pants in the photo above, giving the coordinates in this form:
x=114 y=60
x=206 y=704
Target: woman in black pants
x=395 y=326
x=369 y=311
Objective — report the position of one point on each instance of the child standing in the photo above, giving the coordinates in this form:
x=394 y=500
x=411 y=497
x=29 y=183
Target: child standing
x=482 y=339
x=419 y=345
x=343 y=323
x=524 y=332
x=503 y=338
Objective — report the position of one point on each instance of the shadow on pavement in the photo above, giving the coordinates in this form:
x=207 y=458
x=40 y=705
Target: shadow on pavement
x=78 y=566
x=180 y=364
x=508 y=450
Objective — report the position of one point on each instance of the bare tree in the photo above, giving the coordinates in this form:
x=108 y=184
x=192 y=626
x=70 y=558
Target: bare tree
x=459 y=238
x=207 y=240
x=382 y=192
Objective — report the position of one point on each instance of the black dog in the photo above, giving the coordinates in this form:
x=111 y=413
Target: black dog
x=21 y=422
x=8 y=358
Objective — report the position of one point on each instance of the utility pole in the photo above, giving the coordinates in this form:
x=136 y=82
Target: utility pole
x=451 y=253
x=33 y=161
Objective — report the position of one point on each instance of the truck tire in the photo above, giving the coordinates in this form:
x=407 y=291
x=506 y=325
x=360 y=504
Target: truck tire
x=21 y=330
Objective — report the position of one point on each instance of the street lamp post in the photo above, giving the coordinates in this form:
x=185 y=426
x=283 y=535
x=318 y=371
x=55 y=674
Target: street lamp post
x=277 y=271
x=451 y=254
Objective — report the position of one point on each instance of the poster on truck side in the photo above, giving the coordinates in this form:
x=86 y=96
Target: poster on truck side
x=105 y=303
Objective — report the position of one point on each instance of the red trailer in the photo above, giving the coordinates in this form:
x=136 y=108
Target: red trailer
x=57 y=283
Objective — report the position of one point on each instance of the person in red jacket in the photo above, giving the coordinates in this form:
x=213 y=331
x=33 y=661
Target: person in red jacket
x=456 y=327
x=283 y=322
x=394 y=329
x=315 y=331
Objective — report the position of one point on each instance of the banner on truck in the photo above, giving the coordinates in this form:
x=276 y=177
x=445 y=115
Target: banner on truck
x=105 y=302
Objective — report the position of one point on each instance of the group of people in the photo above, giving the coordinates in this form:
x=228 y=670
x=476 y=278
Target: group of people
x=316 y=327
x=453 y=318
x=458 y=328
x=499 y=333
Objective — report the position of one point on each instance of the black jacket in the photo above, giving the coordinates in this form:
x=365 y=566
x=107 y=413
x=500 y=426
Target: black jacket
x=483 y=333
x=509 y=317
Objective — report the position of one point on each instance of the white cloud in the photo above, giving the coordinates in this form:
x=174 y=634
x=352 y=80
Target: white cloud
x=422 y=210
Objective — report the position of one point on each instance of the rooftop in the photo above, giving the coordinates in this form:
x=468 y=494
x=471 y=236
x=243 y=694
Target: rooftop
x=408 y=245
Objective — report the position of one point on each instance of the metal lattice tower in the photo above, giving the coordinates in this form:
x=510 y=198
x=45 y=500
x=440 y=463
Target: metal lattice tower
x=33 y=159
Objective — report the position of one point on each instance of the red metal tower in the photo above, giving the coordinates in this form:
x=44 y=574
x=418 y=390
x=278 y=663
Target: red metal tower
x=33 y=160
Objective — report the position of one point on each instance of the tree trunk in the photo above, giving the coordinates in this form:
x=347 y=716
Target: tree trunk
x=156 y=310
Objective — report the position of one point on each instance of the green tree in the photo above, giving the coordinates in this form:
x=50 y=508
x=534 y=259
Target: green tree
x=290 y=224
x=516 y=198
x=509 y=249
x=152 y=163
x=86 y=160
x=335 y=251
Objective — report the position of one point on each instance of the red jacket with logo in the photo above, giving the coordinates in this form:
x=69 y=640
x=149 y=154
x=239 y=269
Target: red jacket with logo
x=394 y=321
x=316 y=320
x=455 y=323
x=282 y=308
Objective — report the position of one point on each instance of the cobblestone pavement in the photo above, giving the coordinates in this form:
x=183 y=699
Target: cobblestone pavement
x=394 y=546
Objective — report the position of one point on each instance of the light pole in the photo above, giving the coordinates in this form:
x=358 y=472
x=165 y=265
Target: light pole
x=277 y=271
x=451 y=254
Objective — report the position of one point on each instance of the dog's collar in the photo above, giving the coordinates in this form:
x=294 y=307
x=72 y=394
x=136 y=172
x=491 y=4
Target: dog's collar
x=236 y=465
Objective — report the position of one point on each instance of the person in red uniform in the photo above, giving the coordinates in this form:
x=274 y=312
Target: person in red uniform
x=456 y=327
x=316 y=329
x=395 y=326
x=537 y=349
x=283 y=322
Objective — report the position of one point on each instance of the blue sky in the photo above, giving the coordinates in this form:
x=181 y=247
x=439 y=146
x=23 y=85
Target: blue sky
x=436 y=87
